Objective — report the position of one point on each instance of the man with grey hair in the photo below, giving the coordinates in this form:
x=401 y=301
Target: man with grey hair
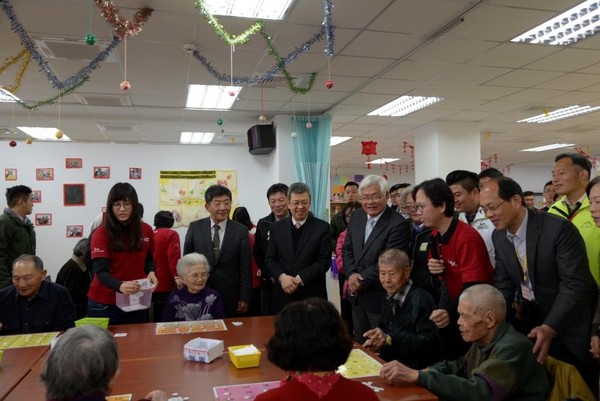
x=83 y=365
x=499 y=365
x=32 y=304
x=299 y=252
x=371 y=230
x=76 y=277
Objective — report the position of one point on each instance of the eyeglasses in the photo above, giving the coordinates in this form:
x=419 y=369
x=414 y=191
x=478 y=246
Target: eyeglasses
x=124 y=205
x=549 y=191
x=492 y=209
x=374 y=198
x=418 y=207
x=395 y=195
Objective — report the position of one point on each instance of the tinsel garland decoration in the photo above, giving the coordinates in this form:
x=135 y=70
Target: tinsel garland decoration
x=25 y=57
x=231 y=40
x=328 y=27
x=123 y=27
x=28 y=43
x=281 y=63
x=51 y=100
x=327 y=31
x=245 y=81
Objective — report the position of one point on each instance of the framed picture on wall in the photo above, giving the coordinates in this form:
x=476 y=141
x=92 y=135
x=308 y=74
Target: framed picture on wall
x=44 y=174
x=73 y=162
x=43 y=219
x=36 y=196
x=10 y=174
x=74 y=194
x=135 y=173
x=75 y=231
x=101 y=172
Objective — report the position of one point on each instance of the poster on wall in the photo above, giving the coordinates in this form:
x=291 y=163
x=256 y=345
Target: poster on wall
x=10 y=174
x=74 y=194
x=182 y=192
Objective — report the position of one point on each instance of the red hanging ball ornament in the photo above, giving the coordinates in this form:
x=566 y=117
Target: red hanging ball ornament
x=329 y=83
x=12 y=144
x=309 y=125
x=125 y=86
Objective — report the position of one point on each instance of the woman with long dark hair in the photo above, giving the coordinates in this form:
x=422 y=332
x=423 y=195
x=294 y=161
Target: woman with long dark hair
x=121 y=253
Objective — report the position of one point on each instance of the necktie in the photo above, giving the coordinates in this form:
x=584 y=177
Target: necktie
x=370 y=224
x=298 y=225
x=216 y=241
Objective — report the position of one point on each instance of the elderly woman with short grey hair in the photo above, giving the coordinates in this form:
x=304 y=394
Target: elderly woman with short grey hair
x=83 y=365
x=195 y=301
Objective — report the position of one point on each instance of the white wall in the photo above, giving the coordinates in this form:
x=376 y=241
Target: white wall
x=254 y=173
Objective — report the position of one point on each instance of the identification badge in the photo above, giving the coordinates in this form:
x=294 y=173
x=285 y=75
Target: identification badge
x=527 y=293
x=423 y=247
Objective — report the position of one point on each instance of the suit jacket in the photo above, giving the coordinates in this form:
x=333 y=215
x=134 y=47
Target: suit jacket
x=261 y=243
x=311 y=260
x=557 y=264
x=231 y=274
x=391 y=231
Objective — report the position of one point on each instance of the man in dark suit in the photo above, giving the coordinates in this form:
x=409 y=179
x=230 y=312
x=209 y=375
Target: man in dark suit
x=278 y=202
x=299 y=252
x=541 y=259
x=372 y=229
x=226 y=246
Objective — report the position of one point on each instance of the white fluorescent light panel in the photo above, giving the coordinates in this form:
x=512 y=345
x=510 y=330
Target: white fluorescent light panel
x=261 y=9
x=560 y=114
x=193 y=138
x=212 y=97
x=43 y=133
x=336 y=140
x=548 y=147
x=573 y=25
x=404 y=105
x=7 y=97
x=383 y=160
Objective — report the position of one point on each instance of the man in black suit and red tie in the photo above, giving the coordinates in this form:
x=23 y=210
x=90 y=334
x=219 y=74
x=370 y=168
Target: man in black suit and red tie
x=299 y=252
x=372 y=229
x=226 y=246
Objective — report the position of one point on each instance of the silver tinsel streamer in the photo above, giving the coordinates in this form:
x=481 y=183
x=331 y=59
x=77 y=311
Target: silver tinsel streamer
x=327 y=32
x=57 y=83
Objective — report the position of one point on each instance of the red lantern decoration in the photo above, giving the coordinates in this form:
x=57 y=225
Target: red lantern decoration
x=369 y=148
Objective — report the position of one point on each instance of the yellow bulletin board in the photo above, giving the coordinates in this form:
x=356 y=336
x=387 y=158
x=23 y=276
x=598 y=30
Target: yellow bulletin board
x=182 y=192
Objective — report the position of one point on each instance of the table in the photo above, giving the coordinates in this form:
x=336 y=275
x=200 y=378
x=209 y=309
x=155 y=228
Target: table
x=16 y=364
x=150 y=362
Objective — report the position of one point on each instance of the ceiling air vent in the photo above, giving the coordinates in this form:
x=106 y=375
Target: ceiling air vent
x=92 y=99
x=279 y=81
x=115 y=127
x=71 y=49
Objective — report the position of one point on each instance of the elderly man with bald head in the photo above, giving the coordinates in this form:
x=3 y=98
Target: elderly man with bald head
x=498 y=366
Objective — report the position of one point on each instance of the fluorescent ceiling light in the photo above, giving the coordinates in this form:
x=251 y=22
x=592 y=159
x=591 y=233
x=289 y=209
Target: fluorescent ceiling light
x=548 y=147
x=336 y=140
x=383 y=160
x=262 y=9
x=560 y=114
x=196 y=137
x=405 y=105
x=7 y=97
x=575 y=24
x=212 y=97
x=44 y=133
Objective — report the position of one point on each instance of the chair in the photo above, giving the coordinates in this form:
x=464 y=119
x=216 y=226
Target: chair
x=566 y=381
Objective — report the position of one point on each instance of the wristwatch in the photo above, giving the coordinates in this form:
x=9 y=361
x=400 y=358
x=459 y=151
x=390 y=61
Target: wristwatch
x=388 y=340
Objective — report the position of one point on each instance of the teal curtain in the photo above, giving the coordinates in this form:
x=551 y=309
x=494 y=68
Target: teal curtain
x=312 y=155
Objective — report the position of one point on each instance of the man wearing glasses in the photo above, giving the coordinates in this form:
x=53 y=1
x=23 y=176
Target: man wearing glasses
x=372 y=229
x=541 y=262
x=299 y=252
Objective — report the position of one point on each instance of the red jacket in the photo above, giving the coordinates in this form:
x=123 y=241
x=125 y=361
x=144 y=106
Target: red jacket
x=167 y=252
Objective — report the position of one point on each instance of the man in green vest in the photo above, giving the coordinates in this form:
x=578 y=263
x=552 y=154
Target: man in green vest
x=570 y=176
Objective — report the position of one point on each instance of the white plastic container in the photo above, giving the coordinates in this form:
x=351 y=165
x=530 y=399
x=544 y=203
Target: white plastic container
x=140 y=300
x=203 y=350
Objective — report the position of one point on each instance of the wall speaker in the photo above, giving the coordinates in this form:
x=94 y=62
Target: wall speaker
x=261 y=139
